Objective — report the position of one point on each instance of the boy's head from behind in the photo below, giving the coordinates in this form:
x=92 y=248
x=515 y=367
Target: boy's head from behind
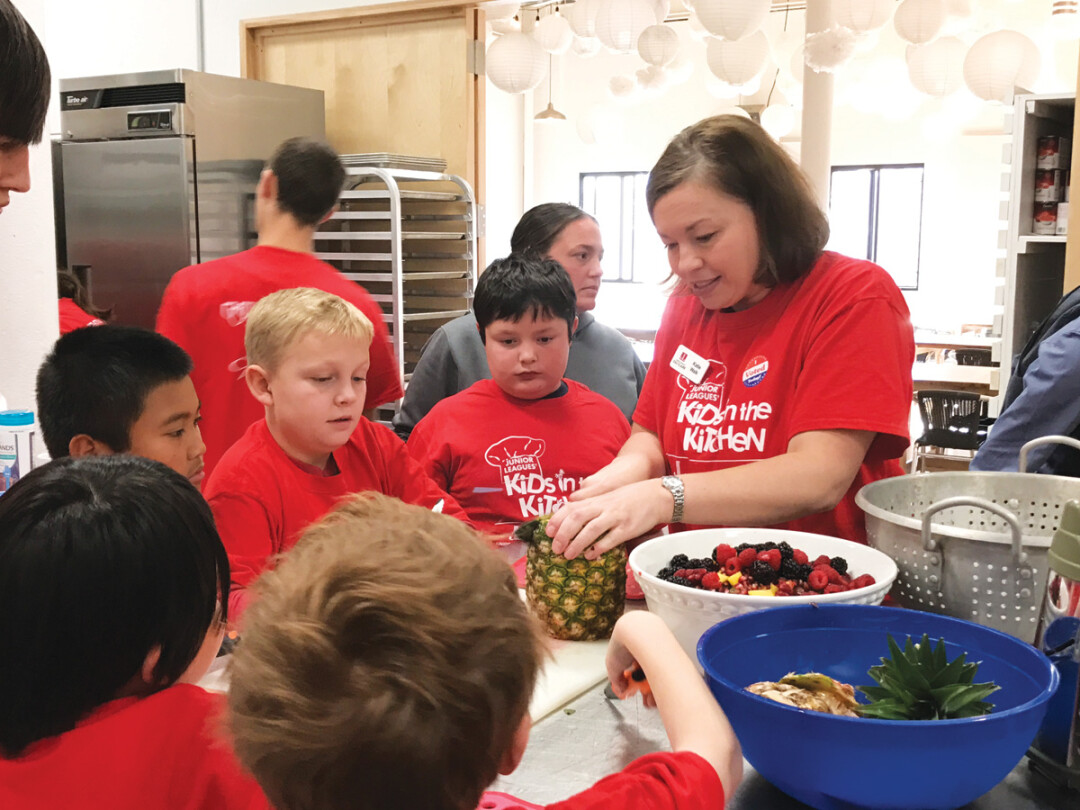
x=308 y=358
x=121 y=389
x=302 y=179
x=526 y=312
x=111 y=578
x=411 y=660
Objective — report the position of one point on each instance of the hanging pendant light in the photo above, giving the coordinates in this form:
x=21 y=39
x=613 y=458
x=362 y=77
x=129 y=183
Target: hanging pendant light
x=549 y=113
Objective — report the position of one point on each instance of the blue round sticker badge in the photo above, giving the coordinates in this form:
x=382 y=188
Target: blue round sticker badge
x=755 y=371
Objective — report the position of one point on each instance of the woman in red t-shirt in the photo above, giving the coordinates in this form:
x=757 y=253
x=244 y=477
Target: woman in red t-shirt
x=782 y=374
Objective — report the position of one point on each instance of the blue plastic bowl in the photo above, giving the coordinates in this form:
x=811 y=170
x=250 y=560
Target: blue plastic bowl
x=839 y=763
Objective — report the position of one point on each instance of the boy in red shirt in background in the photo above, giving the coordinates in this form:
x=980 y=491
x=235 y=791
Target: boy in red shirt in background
x=307 y=363
x=205 y=306
x=111 y=574
x=121 y=389
x=415 y=659
x=514 y=447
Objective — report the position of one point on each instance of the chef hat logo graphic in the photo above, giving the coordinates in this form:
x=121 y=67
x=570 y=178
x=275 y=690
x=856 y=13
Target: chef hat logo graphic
x=516 y=454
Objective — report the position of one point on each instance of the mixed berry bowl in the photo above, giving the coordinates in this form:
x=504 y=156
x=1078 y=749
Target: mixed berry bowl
x=690 y=611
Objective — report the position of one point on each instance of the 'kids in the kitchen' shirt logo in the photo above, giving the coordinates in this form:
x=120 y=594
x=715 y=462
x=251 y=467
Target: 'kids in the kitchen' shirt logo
x=518 y=460
x=712 y=426
x=755 y=371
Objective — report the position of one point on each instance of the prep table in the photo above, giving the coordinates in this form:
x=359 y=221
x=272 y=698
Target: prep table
x=592 y=736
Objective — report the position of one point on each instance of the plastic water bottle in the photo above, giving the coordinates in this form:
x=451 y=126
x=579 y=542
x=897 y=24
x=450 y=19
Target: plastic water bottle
x=16 y=446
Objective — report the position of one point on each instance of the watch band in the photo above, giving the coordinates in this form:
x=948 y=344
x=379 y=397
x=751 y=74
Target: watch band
x=674 y=485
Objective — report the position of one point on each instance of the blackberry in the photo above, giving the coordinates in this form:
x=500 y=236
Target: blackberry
x=761 y=572
x=839 y=565
x=666 y=573
x=786 y=551
x=739 y=549
x=680 y=561
x=706 y=563
x=805 y=570
x=684 y=582
x=789 y=569
x=767 y=546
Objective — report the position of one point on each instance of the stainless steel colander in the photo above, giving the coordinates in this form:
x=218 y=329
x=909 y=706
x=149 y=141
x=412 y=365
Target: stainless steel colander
x=971 y=545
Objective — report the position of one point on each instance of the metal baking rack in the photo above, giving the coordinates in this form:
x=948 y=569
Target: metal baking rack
x=409 y=237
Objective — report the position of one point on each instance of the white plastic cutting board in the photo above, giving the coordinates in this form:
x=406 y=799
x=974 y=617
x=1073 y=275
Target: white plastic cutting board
x=574 y=668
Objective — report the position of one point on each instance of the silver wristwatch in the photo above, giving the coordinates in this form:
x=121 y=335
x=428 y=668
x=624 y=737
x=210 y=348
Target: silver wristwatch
x=674 y=485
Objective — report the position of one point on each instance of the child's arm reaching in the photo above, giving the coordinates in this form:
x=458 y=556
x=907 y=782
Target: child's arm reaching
x=692 y=718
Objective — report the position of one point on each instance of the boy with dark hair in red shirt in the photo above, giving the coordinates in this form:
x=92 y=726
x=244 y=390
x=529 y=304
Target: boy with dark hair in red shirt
x=307 y=364
x=412 y=662
x=111 y=578
x=514 y=447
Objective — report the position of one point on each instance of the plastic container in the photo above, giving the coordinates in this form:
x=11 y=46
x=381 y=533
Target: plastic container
x=16 y=446
x=689 y=612
x=836 y=763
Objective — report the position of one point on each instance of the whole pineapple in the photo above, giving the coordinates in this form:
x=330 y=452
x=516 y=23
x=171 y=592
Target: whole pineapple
x=920 y=683
x=579 y=599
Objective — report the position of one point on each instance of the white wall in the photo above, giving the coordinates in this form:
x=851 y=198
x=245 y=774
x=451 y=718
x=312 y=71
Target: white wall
x=28 y=319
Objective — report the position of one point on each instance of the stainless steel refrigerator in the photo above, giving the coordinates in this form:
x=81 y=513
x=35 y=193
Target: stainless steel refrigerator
x=155 y=171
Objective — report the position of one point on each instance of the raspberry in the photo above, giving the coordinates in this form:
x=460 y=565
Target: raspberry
x=723 y=552
x=818 y=580
x=833 y=588
x=732 y=565
x=711 y=581
x=773 y=558
x=840 y=564
x=747 y=556
x=833 y=575
x=800 y=556
x=862 y=582
x=680 y=573
x=821 y=560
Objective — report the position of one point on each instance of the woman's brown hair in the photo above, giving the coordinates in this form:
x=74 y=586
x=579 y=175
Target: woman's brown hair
x=735 y=156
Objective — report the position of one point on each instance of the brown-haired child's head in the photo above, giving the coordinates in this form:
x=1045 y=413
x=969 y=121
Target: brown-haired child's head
x=308 y=358
x=387 y=661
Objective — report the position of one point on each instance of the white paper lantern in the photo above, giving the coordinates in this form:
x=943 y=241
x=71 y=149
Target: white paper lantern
x=516 y=63
x=960 y=8
x=622 y=87
x=658 y=44
x=1000 y=62
x=778 y=120
x=697 y=30
x=862 y=16
x=619 y=23
x=919 y=21
x=554 y=34
x=586 y=46
x=509 y=25
x=732 y=19
x=663 y=9
x=582 y=16
x=737 y=62
x=937 y=68
x=828 y=51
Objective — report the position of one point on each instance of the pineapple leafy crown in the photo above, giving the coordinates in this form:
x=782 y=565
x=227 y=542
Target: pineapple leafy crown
x=918 y=682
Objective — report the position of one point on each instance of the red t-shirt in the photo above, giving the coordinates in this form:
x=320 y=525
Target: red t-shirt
x=830 y=351
x=661 y=781
x=160 y=751
x=507 y=460
x=205 y=307
x=262 y=499
x=73 y=317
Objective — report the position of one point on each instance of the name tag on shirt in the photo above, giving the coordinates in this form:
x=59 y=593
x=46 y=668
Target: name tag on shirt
x=690 y=365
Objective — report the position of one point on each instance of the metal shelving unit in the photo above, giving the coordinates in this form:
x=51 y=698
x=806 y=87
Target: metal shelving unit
x=409 y=237
x=1033 y=265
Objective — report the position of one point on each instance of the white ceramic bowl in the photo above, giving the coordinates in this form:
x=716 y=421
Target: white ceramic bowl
x=690 y=612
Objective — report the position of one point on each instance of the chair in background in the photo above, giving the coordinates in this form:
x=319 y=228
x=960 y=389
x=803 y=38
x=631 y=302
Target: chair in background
x=973 y=357
x=952 y=420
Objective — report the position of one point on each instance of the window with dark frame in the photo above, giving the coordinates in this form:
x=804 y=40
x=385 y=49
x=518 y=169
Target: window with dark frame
x=617 y=201
x=875 y=213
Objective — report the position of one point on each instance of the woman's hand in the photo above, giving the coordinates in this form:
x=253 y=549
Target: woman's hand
x=623 y=513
